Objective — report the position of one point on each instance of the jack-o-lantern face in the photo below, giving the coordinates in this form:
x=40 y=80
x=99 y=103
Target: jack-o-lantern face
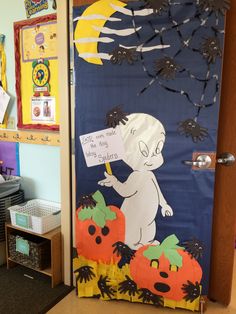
x=165 y=279
x=97 y=228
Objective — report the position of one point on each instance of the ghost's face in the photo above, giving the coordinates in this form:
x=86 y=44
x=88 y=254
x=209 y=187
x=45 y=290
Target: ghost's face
x=144 y=138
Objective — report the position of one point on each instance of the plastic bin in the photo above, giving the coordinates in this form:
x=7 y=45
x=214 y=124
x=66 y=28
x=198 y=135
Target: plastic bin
x=36 y=215
x=10 y=186
x=5 y=202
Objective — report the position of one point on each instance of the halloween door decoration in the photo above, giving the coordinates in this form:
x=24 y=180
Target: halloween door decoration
x=147 y=99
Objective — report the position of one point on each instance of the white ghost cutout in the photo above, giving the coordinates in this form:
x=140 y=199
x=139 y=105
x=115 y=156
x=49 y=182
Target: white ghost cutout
x=144 y=138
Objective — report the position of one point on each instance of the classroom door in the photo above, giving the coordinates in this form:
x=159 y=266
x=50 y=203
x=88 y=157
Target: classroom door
x=224 y=202
x=148 y=78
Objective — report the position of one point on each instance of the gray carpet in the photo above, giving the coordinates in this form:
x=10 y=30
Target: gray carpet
x=22 y=295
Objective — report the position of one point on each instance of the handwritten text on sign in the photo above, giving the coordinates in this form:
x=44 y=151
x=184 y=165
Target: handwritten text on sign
x=102 y=147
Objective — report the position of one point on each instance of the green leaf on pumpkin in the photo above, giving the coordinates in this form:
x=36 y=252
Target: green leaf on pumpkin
x=170 y=242
x=85 y=213
x=153 y=252
x=99 y=217
x=98 y=197
x=110 y=215
x=100 y=213
x=169 y=248
x=174 y=257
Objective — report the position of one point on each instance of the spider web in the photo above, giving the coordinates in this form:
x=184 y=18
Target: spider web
x=207 y=19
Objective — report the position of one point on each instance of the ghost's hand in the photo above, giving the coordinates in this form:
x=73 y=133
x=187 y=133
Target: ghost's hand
x=166 y=210
x=109 y=181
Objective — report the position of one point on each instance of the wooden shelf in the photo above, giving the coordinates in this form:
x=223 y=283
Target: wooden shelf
x=49 y=235
x=46 y=271
x=54 y=236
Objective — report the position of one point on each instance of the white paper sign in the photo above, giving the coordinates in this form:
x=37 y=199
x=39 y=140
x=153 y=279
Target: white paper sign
x=102 y=146
x=4 y=101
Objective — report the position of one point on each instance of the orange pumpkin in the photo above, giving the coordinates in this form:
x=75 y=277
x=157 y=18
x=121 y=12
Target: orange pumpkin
x=163 y=278
x=96 y=235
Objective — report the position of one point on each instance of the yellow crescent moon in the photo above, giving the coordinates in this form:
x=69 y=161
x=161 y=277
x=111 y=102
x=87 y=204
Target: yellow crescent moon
x=85 y=28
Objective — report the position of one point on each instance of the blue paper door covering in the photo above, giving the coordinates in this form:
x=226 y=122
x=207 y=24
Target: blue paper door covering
x=149 y=71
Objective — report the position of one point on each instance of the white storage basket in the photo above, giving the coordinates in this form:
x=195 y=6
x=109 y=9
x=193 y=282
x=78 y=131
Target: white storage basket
x=36 y=215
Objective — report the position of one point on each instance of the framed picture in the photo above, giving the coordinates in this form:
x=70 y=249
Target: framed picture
x=36 y=69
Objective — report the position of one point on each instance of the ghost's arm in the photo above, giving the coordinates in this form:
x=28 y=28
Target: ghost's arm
x=166 y=210
x=126 y=189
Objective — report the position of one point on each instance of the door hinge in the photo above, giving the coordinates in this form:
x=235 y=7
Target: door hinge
x=72 y=146
x=72 y=77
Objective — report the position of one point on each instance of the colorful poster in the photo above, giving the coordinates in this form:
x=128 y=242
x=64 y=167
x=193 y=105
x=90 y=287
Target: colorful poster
x=9 y=156
x=39 y=41
x=151 y=71
x=34 y=6
x=37 y=73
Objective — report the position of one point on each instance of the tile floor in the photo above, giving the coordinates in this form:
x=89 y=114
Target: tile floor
x=72 y=305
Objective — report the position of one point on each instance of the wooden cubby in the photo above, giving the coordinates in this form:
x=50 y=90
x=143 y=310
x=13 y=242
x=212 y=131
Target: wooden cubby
x=54 y=236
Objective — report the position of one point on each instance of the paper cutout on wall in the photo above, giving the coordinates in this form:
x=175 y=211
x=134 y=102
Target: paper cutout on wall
x=164 y=269
x=102 y=147
x=9 y=155
x=91 y=25
x=143 y=137
x=121 y=54
x=34 y=6
x=98 y=227
x=219 y=6
x=152 y=277
x=41 y=77
x=191 y=128
x=195 y=248
x=166 y=68
x=158 y=6
x=4 y=101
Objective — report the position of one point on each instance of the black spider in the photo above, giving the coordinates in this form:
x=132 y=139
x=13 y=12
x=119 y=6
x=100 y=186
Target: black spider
x=158 y=6
x=191 y=128
x=84 y=273
x=166 y=68
x=194 y=247
x=87 y=201
x=147 y=296
x=121 y=54
x=217 y=6
x=129 y=286
x=192 y=291
x=115 y=116
x=105 y=288
x=126 y=253
x=211 y=49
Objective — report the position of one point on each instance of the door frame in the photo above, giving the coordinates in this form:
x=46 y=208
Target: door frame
x=65 y=137
x=224 y=213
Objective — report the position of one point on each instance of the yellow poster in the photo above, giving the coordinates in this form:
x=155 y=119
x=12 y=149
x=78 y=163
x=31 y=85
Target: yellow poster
x=39 y=41
x=37 y=87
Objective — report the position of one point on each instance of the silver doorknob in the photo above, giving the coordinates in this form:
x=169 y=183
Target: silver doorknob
x=226 y=159
x=202 y=162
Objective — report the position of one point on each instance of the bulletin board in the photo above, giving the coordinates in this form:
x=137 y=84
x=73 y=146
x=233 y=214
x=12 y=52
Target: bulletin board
x=37 y=73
